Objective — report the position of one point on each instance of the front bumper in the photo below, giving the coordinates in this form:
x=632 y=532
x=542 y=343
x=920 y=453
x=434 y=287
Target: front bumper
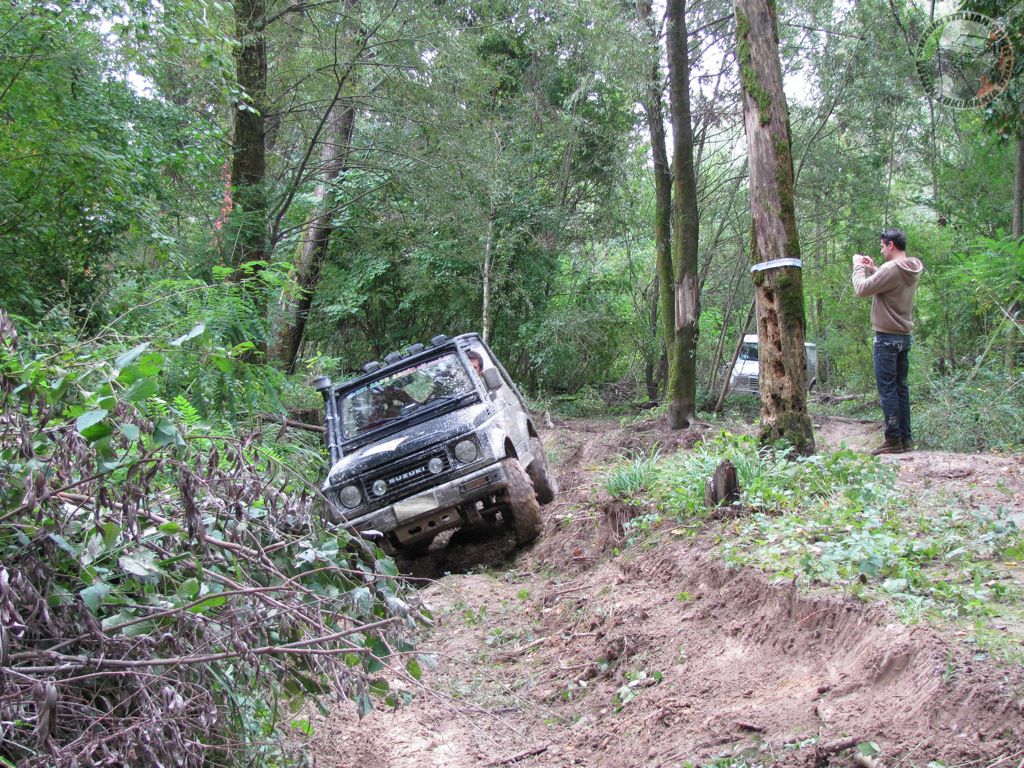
x=432 y=510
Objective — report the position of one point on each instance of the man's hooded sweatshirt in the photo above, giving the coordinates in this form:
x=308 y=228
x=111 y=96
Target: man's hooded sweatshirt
x=891 y=287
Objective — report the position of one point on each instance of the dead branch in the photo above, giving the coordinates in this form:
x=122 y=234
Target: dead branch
x=521 y=756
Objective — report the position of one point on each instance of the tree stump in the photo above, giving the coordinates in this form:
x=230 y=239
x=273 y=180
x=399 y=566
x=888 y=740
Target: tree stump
x=723 y=487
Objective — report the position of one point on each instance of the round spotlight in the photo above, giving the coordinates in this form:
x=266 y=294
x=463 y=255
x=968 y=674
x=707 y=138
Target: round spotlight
x=350 y=496
x=465 y=451
x=435 y=465
x=379 y=488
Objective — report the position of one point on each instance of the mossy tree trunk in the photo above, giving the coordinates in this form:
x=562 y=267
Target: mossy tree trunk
x=778 y=290
x=654 y=109
x=682 y=372
x=249 y=153
x=247 y=241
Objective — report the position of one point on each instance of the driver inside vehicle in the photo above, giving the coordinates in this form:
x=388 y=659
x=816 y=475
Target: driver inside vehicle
x=389 y=402
x=476 y=361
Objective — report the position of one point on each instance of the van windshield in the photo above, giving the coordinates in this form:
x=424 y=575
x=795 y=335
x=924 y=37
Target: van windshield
x=403 y=393
x=749 y=352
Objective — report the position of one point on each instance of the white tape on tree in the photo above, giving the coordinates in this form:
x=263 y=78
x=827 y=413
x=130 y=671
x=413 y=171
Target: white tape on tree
x=776 y=263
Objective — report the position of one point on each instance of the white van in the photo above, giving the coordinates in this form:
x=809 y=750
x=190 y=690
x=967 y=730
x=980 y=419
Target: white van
x=743 y=377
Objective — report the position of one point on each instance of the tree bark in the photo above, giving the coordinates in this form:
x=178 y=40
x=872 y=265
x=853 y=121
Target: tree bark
x=654 y=109
x=682 y=376
x=779 y=289
x=334 y=156
x=488 y=264
x=1018 y=187
x=248 y=158
x=1014 y=312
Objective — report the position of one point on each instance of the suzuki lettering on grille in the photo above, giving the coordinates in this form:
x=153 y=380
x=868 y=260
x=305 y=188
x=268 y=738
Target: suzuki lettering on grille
x=406 y=475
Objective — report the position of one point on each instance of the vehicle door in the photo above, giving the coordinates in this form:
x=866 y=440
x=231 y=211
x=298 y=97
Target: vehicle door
x=510 y=413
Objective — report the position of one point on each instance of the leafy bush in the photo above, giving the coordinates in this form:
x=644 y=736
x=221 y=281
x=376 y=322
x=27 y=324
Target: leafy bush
x=167 y=587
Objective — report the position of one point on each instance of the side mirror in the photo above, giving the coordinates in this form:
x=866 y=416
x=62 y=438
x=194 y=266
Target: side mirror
x=492 y=379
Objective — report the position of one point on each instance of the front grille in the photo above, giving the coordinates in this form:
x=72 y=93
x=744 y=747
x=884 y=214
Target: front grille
x=408 y=474
x=746 y=383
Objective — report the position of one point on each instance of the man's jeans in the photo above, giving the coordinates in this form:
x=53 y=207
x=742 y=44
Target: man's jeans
x=892 y=361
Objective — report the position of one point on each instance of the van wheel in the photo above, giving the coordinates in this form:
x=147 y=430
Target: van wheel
x=522 y=501
x=545 y=486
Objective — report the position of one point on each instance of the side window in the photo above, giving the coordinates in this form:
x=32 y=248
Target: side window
x=478 y=357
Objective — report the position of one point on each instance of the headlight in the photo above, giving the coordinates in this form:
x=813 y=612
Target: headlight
x=350 y=496
x=465 y=451
x=435 y=465
x=379 y=488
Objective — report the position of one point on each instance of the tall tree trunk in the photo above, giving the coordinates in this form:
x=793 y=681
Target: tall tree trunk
x=248 y=158
x=650 y=377
x=735 y=356
x=488 y=266
x=1018 y=187
x=653 y=107
x=246 y=241
x=334 y=156
x=1013 y=326
x=730 y=302
x=682 y=374
x=778 y=289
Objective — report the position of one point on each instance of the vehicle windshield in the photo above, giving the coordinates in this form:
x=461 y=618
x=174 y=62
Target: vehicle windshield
x=402 y=393
x=749 y=352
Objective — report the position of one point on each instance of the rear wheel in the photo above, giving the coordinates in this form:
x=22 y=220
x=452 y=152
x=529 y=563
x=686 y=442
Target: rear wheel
x=522 y=502
x=545 y=486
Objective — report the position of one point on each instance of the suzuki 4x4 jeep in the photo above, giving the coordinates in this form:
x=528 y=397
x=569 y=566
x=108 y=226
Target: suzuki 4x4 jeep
x=434 y=439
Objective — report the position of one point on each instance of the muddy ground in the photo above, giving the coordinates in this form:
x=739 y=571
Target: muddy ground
x=568 y=655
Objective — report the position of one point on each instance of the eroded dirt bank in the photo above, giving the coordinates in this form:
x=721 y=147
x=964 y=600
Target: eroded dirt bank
x=663 y=656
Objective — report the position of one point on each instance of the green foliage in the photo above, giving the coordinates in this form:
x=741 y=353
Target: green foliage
x=83 y=161
x=835 y=518
x=971 y=411
x=139 y=537
x=942 y=558
x=631 y=477
x=771 y=479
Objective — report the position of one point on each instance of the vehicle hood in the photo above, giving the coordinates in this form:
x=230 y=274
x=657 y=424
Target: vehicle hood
x=415 y=438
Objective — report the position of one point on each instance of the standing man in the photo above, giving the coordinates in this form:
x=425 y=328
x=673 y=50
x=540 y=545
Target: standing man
x=891 y=288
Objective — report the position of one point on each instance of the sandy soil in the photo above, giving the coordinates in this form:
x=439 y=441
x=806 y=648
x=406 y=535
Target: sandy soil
x=566 y=656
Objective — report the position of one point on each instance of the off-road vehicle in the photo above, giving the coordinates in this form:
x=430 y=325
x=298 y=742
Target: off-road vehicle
x=436 y=438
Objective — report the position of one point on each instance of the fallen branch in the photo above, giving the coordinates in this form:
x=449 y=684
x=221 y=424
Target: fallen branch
x=514 y=654
x=822 y=751
x=521 y=756
x=284 y=421
x=743 y=725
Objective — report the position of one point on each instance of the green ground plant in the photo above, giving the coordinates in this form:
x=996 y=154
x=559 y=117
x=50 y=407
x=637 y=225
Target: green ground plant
x=835 y=518
x=979 y=410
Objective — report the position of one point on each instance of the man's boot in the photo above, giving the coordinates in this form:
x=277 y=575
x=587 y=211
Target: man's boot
x=889 y=445
x=908 y=445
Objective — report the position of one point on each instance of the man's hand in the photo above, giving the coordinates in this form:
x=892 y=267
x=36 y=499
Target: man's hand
x=867 y=261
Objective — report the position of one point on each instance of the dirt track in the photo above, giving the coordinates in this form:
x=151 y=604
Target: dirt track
x=663 y=657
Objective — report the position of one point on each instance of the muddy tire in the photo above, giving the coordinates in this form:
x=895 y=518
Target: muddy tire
x=545 y=486
x=522 y=502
